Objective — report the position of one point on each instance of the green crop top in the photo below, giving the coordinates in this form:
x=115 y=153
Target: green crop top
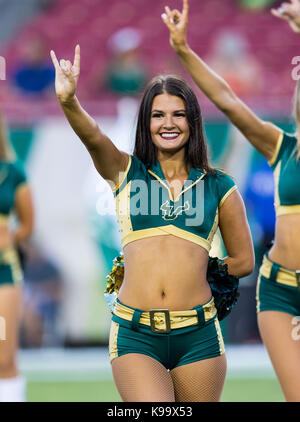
x=286 y=170
x=12 y=177
x=145 y=206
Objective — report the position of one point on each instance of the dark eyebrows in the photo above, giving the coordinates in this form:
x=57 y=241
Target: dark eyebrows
x=175 y=111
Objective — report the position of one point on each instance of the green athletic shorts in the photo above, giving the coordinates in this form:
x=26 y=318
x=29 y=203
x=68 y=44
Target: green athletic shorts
x=10 y=270
x=277 y=289
x=178 y=347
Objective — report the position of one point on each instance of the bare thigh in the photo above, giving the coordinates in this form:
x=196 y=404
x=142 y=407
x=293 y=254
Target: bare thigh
x=139 y=377
x=200 y=381
x=277 y=332
x=10 y=312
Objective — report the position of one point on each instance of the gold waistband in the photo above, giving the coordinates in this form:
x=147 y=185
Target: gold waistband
x=4 y=219
x=178 y=319
x=287 y=209
x=8 y=256
x=284 y=276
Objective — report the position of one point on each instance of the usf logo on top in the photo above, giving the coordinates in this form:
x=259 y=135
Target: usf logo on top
x=170 y=212
x=2 y=328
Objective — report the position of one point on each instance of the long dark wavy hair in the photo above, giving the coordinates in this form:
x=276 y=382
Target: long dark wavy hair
x=195 y=148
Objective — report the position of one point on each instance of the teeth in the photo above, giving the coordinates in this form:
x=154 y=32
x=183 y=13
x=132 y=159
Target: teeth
x=169 y=135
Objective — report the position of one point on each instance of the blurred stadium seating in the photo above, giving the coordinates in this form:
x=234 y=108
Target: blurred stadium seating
x=64 y=23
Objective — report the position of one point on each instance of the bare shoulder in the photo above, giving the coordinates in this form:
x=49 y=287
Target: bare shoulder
x=232 y=204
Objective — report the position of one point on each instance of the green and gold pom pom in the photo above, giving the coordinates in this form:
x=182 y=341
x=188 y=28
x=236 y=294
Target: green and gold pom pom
x=116 y=275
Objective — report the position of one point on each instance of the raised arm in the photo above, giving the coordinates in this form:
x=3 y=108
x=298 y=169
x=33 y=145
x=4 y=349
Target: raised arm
x=108 y=160
x=236 y=236
x=289 y=12
x=262 y=135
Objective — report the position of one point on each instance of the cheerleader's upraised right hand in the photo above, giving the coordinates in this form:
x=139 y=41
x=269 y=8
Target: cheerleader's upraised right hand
x=66 y=76
x=177 y=24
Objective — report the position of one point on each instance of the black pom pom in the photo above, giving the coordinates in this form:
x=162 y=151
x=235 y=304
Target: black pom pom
x=224 y=286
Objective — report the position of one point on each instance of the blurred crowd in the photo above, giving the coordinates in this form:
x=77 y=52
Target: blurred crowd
x=123 y=47
x=43 y=294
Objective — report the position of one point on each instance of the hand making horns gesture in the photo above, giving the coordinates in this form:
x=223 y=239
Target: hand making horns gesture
x=291 y=13
x=66 y=76
x=177 y=24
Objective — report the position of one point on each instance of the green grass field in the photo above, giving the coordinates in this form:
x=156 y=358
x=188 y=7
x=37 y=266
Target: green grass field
x=60 y=375
x=235 y=390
